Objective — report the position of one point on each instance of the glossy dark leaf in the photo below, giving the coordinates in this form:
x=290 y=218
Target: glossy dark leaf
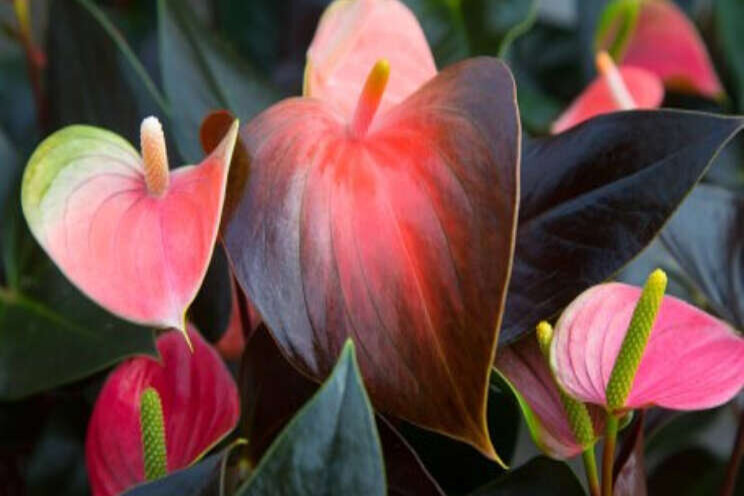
x=706 y=237
x=457 y=467
x=692 y=472
x=274 y=391
x=211 y=309
x=443 y=25
x=63 y=334
x=595 y=196
x=9 y=179
x=85 y=80
x=730 y=24
x=323 y=259
x=330 y=447
x=205 y=478
x=492 y=26
x=201 y=74
x=404 y=470
x=540 y=475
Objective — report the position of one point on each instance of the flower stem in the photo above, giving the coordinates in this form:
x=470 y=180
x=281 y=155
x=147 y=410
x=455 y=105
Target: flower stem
x=590 y=467
x=732 y=470
x=608 y=456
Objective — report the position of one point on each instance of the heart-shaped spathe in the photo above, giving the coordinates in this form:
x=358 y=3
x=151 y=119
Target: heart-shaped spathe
x=138 y=251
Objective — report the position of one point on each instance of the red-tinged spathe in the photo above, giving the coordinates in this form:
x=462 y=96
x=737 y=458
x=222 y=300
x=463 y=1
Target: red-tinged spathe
x=200 y=406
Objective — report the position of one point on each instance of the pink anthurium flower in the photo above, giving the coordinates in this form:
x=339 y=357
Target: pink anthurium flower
x=351 y=37
x=134 y=237
x=188 y=399
x=614 y=89
x=691 y=360
x=527 y=372
x=655 y=35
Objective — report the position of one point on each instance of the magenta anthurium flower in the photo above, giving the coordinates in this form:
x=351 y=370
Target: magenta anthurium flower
x=691 y=360
x=198 y=403
x=614 y=89
x=528 y=374
x=133 y=236
x=655 y=35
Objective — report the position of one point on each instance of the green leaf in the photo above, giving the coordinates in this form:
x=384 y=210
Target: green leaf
x=729 y=16
x=205 y=478
x=201 y=74
x=705 y=238
x=9 y=178
x=493 y=25
x=331 y=446
x=540 y=475
x=444 y=28
x=50 y=334
x=85 y=75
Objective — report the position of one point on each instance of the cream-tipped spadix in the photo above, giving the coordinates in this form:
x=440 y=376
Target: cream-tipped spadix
x=154 y=155
x=619 y=91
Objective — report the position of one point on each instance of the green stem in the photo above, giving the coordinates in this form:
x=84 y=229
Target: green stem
x=608 y=456
x=590 y=467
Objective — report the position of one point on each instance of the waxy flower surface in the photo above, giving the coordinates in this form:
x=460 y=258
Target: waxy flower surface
x=691 y=360
x=390 y=221
x=134 y=237
x=199 y=402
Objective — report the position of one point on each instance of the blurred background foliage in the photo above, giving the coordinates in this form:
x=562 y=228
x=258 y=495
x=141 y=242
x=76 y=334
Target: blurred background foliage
x=111 y=63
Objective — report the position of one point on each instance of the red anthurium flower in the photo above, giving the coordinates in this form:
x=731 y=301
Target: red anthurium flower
x=389 y=220
x=198 y=405
x=134 y=237
x=527 y=371
x=657 y=36
x=691 y=360
x=614 y=89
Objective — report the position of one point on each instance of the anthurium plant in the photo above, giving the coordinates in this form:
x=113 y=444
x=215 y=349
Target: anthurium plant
x=419 y=247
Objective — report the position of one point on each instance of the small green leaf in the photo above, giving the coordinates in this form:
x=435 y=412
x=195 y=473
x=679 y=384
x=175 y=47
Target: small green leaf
x=64 y=336
x=331 y=447
x=205 y=478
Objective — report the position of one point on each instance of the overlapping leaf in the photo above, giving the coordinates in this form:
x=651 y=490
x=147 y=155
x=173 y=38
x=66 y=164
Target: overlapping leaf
x=400 y=239
x=592 y=198
x=706 y=237
x=330 y=447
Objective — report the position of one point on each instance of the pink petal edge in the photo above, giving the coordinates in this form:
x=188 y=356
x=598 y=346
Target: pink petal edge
x=200 y=406
x=692 y=361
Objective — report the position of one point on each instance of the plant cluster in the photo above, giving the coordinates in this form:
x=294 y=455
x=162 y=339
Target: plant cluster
x=405 y=229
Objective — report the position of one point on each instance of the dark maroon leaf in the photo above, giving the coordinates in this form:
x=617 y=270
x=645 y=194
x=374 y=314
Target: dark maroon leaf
x=593 y=197
x=629 y=472
x=401 y=240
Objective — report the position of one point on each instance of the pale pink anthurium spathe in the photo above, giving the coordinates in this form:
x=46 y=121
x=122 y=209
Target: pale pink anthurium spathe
x=614 y=89
x=691 y=361
x=352 y=36
x=133 y=236
x=657 y=36
x=200 y=406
